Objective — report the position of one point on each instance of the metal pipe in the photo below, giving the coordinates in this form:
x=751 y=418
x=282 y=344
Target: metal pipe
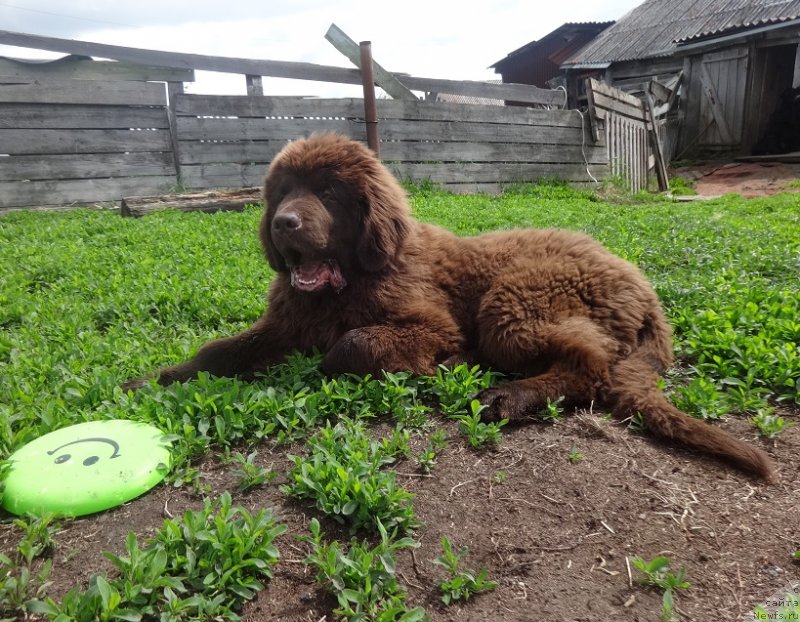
x=370 y=107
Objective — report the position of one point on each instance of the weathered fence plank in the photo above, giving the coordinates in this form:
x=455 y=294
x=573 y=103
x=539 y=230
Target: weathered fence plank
x=57 y=116
x=82 y=68
x=276 y=69
x=85 y=92
x=88 y=165
x=81 y=191
x=28 y=142
x=243 y=106
x=216 y=129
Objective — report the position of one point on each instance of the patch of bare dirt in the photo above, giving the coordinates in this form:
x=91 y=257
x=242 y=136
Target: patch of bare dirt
x=555 y=535
x=750 y=179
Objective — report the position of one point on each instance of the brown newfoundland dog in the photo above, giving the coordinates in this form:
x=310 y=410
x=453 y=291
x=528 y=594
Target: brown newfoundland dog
x=363 y=282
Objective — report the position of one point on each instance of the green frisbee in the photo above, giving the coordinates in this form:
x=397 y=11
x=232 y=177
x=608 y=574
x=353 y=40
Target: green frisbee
x=86 y=468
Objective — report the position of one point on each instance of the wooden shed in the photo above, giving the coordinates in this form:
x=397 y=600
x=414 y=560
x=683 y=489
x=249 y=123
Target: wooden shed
x=538 y=62
x=737 y=62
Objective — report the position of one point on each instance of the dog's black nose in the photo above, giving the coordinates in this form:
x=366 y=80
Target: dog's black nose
x=286 y=222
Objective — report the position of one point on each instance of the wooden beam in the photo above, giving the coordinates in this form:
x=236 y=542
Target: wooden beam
x=83 y=68
x=216 y=201
x=523 y=93
x=595 y=121
x=225 y=64
x=658 y=151
x=344 y=44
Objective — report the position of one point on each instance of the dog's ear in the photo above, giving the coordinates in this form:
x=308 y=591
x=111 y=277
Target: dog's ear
x=386 y=222
x=274 y=258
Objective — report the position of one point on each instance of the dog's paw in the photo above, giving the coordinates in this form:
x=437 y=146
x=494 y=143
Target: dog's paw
x=500 y=402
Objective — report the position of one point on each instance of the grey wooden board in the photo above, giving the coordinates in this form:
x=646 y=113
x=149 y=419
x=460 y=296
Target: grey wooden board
x=602 y=88
x=194 y=128
x=82 y=68
x=226 y=175
x=61 y=192
x=44 y=116
x=524 y=93
x=243 y=106
x=84 y=92
x=264 y=151
x=352 y=51
x=244 y=175
x=604 y=103
x=85 y=166
x=30 y=142
x=275 y=69
x=492 y=172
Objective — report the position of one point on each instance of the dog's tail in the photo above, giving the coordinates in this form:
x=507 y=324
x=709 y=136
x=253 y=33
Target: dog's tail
x=634 y=389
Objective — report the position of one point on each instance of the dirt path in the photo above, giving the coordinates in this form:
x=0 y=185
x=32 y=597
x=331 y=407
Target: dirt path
x=750 y=179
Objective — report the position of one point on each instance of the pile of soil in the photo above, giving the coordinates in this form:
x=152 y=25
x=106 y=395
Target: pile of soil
x=555 y=534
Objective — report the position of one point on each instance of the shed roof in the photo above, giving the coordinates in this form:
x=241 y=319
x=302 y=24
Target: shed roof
x=561 y=42
x=655 y=27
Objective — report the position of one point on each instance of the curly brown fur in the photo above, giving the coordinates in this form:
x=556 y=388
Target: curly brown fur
x=363 y=282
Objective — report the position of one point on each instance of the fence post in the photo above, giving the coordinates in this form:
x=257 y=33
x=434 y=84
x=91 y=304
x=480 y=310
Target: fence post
x=255 y=85
x=174 y=89
x=370 y=107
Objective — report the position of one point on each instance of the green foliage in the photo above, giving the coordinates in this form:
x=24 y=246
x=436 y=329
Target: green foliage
x=456 y=389
x=552 y=410
x=575 y=455
x=436 y=442
x=248 y=473
x=344 y=475
x=462 y=584
x=680 y=186
x=38 y=537
x=21 y=580
x=88 y=300
x=478 y=432
x=769 y=424
x=202 y=566
x=363 y=578
x=657 y=574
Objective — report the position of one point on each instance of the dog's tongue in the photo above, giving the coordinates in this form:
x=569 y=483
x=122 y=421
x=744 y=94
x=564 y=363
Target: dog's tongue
x=313 y=276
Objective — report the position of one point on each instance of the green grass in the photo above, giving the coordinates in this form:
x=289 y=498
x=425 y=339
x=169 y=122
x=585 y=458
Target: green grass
x=88 y=300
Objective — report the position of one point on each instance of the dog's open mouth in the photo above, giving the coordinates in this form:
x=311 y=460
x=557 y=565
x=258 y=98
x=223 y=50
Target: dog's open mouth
x=313 y=276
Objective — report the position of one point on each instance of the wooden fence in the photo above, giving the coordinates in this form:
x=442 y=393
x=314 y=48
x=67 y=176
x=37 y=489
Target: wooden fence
x=82 y=131
x=632 y=131
x=90 y=141
x=227 y=141
x=84 y=141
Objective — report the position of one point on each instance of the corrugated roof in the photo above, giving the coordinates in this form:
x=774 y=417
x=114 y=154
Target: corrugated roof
x=656 y=26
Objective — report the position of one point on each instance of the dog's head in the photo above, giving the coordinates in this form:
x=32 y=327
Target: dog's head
x=332 y=212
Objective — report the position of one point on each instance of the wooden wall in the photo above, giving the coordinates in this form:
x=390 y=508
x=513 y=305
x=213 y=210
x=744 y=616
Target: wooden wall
x=227 y=141
x=79 y=141
x=88 y=141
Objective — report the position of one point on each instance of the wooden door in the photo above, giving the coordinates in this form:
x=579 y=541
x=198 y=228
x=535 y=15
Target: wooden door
x=723 y=76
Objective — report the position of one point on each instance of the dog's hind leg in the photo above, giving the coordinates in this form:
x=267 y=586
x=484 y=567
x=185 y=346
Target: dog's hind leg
x=567 y=359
